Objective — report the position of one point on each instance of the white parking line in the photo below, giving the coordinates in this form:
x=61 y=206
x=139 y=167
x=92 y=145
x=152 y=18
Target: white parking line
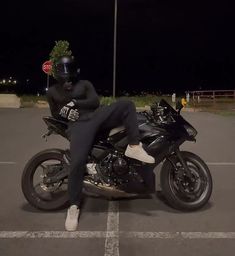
x=179 y=235
x=7 y=162
x=221 y=163
x=53 y=234
x=113 y=236
x=209 y=163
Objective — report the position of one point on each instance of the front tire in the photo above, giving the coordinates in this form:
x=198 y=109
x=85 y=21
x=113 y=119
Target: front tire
x=40 y=195
x=180 y=192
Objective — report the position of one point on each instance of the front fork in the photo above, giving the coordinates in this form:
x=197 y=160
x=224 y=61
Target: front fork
x=183 y=163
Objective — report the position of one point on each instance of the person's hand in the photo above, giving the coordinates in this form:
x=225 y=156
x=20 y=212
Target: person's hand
x=69 y=112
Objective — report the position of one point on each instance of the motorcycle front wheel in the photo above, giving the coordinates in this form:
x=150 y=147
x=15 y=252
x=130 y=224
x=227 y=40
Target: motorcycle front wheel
x=179 y=190
x=40 y=193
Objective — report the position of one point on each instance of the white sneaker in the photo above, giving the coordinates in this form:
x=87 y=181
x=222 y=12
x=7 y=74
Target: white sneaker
x=71 y=222
x=137 y=152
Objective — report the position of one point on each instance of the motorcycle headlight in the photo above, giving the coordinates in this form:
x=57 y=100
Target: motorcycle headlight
x=190 y=130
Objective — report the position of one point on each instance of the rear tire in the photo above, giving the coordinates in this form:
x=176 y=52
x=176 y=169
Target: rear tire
x=57 y=199
x=175 y=190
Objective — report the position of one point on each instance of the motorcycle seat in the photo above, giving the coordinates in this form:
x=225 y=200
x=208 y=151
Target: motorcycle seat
x=59 y=127
x=140 y=119
x=116 y=130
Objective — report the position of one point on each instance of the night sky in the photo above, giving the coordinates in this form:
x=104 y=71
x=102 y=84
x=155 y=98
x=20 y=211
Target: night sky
x=162 y=45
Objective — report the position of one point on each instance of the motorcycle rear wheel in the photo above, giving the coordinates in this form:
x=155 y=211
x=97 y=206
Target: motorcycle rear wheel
x=180 y=192
x=43 y=196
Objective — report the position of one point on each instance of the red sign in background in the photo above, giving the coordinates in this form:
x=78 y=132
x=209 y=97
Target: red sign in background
x=47 y=66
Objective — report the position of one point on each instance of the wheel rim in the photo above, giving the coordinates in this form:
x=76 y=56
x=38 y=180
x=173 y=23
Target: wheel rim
x=42 y=190
x=183 y=188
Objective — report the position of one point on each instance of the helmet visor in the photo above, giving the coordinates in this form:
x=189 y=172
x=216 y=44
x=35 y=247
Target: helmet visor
x=67 y=70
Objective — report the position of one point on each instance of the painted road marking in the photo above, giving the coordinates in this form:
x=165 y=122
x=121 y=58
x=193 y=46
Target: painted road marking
x=112 y=235
x=179 y=235
x=221 y=163
x=115 y=235
x=7 y=162
x=209 y=163
x=53 y=234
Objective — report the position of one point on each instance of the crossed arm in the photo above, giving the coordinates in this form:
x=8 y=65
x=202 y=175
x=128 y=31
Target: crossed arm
x=70 y=110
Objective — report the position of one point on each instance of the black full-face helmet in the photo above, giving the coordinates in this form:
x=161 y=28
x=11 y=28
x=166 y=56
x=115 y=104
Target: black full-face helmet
x=66 y=70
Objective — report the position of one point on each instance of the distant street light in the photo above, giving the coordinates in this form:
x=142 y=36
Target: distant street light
x=114 y=48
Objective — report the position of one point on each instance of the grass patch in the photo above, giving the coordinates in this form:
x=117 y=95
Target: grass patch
x=106 y=100
x=139 y=101
x=32 y=98
x=223 y=107
x=29 y=101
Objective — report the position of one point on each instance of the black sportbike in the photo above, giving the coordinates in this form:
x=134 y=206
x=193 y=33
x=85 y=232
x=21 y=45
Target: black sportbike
x=185 y=179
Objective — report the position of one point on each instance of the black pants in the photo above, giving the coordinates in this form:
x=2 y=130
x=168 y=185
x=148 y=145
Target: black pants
x=83 y=132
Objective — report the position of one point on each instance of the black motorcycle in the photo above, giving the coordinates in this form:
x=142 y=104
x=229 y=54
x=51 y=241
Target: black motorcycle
x=185 y=179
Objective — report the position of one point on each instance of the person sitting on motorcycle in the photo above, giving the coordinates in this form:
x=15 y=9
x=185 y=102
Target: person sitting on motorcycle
x=77 y=102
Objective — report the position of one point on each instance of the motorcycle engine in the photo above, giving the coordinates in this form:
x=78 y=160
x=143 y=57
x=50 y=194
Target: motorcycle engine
x=120 y=166
x=114 y=169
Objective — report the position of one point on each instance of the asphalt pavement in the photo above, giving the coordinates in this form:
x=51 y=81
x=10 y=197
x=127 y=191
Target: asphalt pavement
x=127 y=227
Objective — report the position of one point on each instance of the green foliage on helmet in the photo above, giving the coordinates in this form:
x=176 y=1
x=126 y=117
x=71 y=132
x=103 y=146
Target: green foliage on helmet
x=60 y=49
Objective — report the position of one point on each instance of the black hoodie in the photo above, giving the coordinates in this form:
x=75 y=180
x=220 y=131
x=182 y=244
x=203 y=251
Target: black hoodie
x=83 y=93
